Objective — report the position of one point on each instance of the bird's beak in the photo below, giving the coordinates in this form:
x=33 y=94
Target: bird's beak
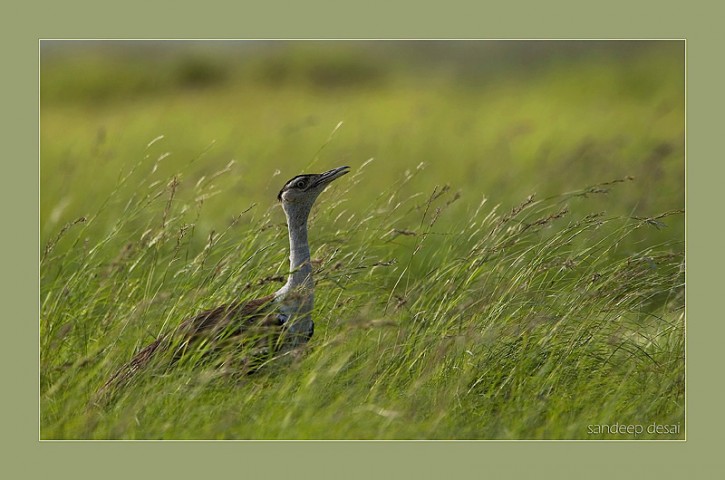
x=331 y=175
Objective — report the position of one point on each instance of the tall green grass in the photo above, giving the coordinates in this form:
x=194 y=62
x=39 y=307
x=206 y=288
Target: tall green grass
x=440 y=312
x=521 y=324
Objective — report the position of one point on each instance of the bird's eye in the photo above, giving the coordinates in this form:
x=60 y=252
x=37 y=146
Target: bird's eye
x=300 y=184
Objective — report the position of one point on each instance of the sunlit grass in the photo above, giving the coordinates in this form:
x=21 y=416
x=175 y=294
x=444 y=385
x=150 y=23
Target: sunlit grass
x=503 y=262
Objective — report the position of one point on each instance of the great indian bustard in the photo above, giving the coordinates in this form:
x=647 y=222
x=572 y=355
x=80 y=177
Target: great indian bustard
x=269 y=325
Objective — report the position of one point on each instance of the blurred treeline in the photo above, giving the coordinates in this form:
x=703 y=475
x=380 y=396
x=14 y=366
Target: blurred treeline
x=96 y=71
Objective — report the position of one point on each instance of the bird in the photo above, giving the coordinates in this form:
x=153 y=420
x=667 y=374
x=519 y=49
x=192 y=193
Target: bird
x=261 y=327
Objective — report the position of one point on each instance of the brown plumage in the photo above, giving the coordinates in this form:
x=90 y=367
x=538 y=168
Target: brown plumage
x=253 y=327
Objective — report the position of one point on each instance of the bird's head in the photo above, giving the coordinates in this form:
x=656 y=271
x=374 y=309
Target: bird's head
x=300 y=192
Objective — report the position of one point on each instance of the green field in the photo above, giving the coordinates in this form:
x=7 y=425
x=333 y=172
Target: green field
x=505 y=261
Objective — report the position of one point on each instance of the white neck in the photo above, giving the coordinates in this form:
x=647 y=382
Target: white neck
x=296 y=299
x=300 y=276
x=299 y=258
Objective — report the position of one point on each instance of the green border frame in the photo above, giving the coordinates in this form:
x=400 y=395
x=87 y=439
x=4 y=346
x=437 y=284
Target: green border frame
x=30 y=22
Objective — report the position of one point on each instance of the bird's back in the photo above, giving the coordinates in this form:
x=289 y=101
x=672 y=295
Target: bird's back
x=251 y=328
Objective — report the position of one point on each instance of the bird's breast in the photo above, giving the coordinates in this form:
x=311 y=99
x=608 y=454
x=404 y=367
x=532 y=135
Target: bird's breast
x=295 y=312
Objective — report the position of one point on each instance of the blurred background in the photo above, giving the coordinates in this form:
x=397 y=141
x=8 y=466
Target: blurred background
x=495 y=119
